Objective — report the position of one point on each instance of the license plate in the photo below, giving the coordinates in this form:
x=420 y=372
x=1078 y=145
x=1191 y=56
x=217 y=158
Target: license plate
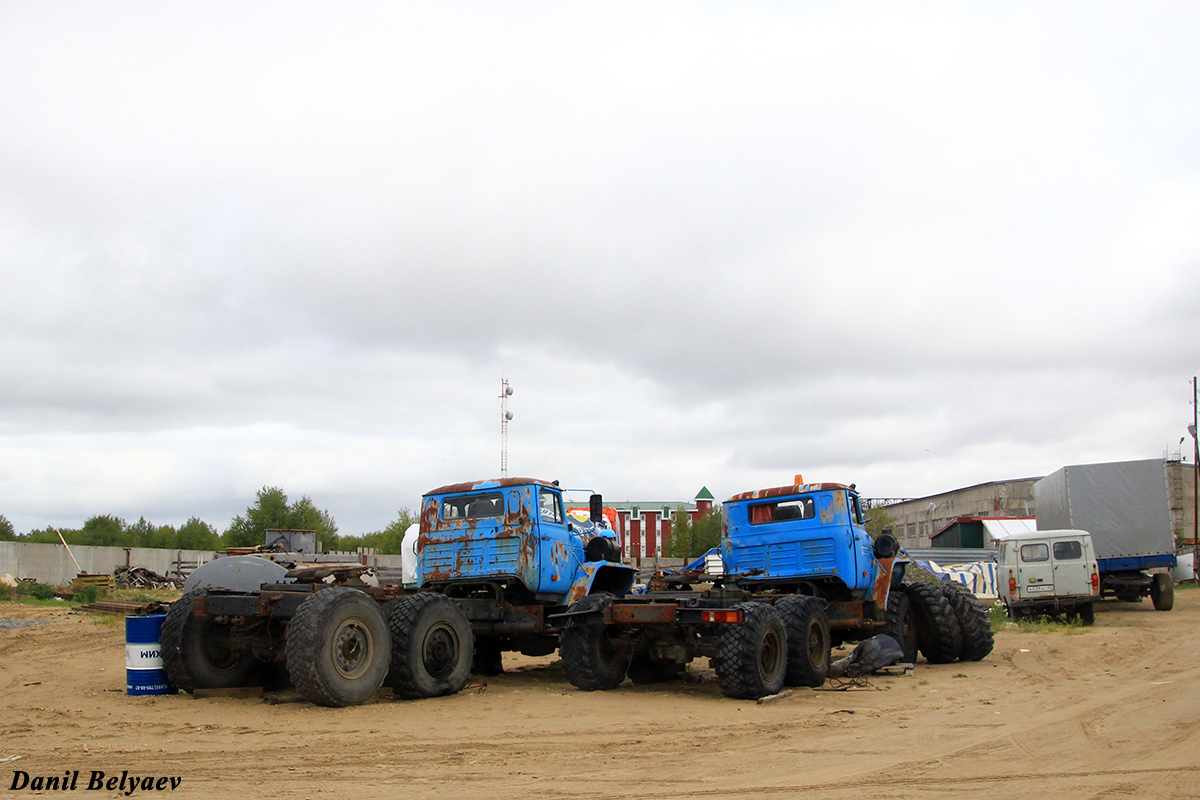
x=1041 y=588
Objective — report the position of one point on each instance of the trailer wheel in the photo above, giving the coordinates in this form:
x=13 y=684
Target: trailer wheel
x=432 y=647
x=751 y=660
x=1162 y=592
x=489 y=658
x=196 y=651
x=973 y=621
x=337 y=647
x=901 y=624
x=807 y=628
x=939 y=636
x=595 y=656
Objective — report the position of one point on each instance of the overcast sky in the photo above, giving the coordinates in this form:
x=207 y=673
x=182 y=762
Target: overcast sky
x=914 y=246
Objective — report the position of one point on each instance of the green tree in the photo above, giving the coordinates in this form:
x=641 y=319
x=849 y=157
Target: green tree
x=305 y=516
x=7 y=534
x=271 y=510
x=103 y=530
x=196 y=534
x=387 y=541
x=688 y=539
x=877 y=521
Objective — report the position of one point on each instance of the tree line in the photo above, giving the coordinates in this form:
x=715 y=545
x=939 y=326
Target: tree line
x=270 y=510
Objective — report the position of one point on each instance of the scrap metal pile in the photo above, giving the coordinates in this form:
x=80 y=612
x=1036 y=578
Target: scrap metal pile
x=142 y=578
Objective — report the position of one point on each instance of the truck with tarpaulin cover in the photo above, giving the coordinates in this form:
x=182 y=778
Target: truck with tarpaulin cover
x=800 y=575
x=1126 y=507
x=495 y=560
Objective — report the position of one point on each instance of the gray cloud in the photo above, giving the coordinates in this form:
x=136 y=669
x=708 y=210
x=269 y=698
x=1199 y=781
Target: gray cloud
x=910 y=247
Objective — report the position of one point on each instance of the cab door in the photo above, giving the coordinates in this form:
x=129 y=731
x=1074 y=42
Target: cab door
x=557 y=557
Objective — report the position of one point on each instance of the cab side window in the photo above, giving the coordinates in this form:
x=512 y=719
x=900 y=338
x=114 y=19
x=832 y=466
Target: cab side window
x=551 y=507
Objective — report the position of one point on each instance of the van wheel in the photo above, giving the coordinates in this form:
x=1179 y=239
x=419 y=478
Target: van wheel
x=1087 y=614
x=939 y=636
x=973 y=620
x=1162 y=592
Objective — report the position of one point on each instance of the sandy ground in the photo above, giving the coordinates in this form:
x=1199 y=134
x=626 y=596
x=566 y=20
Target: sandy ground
x=1105 y=712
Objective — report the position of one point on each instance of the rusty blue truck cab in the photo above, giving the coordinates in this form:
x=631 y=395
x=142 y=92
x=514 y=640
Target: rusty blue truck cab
x=806 y=532
x=511 y=535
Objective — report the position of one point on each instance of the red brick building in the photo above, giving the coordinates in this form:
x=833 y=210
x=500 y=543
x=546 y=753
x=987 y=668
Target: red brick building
x=645 y=527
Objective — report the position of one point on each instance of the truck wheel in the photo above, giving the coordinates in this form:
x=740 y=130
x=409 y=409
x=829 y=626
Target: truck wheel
x=595 y=656
x=337 y=647
x=196 y=651
x=432 y=647
x=807 y=628
x=751 y=660
x=939 y=637
x=973 y=621
x=1162 y=592
x=489 y=658
x=901 y=625
x=644 y=671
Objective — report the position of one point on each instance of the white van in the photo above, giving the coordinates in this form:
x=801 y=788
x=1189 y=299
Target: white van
x=1048 y=572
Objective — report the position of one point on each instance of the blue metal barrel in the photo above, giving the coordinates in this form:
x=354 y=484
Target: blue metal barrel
x=144 y=672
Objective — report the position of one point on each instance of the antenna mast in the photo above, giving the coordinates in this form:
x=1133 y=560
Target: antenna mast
x=505 y=415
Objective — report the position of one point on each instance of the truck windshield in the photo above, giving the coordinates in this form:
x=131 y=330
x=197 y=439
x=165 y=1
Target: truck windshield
x=472 y=506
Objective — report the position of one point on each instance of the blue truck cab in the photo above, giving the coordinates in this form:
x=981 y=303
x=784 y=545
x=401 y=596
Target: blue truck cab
x=513 y=535
x=811 y=533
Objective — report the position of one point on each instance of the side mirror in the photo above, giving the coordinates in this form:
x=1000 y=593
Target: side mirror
x=595 y=508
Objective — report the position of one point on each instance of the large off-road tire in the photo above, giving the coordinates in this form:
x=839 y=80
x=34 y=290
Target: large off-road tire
x=751 y=659
x=939 y=637
x=489 y=657
x=1162 y=592
x=196 y=651
x=433 y=648
x=594 y=656
x=901 y=624
x=644 y=670
x=807 y=627
x=337 y=647
x=974 y=621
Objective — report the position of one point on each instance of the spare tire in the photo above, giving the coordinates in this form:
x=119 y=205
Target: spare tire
x=199 y=652
x=974 y=621
x=939 y=636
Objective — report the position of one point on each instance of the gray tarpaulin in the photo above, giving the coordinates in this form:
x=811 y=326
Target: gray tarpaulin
x=1125 y=506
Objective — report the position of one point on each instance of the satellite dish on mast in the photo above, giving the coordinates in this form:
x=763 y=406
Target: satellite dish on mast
x=508 y=390
x=508 y=415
